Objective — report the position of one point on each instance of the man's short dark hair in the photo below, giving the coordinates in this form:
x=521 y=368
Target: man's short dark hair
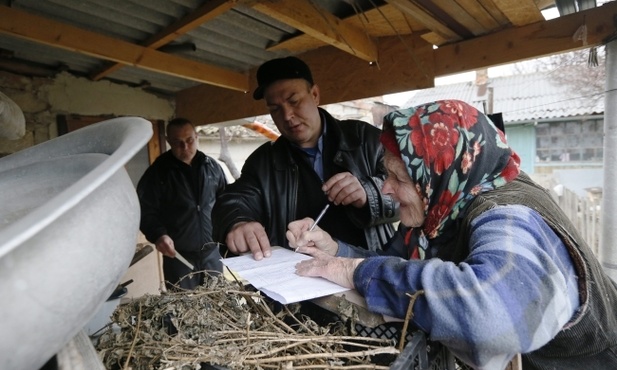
x=280 y=69
x=177 y=122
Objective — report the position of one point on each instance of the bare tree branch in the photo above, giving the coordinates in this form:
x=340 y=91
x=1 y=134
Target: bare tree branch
x=225 y=156
x=574 y=69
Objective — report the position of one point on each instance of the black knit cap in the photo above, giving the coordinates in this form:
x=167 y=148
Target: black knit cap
x=280 y=69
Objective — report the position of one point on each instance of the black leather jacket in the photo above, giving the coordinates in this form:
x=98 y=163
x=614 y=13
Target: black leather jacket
x=267 y=191
x=176 y=199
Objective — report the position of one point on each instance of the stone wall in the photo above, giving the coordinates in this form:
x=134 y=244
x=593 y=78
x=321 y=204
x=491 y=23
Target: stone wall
x=43 y=99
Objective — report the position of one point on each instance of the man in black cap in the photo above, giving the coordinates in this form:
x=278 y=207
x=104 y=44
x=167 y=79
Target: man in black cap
x=318 y=160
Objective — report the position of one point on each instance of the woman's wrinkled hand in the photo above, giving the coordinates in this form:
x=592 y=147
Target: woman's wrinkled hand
x=309 y=242
x=336 y=269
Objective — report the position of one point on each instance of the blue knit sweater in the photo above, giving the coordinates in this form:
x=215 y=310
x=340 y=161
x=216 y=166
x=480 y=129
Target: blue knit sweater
x=512 y=294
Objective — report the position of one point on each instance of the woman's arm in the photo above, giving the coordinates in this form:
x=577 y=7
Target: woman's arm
x=512 y=294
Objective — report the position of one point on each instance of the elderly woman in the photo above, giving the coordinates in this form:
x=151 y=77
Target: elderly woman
x=498 y=267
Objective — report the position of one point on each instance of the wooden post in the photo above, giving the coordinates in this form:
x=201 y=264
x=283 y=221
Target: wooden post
x=515 y=364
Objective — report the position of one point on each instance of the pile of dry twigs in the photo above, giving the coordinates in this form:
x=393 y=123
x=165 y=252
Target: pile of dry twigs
x=222 y=324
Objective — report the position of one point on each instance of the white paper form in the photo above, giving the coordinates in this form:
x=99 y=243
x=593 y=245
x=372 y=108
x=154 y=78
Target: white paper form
x=276 y=276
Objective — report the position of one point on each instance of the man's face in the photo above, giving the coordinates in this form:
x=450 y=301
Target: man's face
x=293 y=107
x=183 y=142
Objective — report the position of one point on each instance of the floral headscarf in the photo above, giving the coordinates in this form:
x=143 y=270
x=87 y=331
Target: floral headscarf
x=452 y=152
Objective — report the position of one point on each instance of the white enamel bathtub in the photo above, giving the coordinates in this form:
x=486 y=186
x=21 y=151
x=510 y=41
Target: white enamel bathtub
x=69 y=218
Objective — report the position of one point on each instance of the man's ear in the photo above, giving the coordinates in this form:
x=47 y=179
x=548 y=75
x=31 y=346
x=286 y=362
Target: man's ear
x=315 y=93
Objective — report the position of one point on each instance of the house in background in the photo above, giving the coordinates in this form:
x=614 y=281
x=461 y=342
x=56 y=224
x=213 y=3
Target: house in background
x=547 y=123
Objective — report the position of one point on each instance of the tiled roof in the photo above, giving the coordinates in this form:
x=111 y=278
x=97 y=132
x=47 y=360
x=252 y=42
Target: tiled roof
x=524 y=97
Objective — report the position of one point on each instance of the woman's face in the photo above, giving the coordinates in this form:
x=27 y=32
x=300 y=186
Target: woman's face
x=400 y=186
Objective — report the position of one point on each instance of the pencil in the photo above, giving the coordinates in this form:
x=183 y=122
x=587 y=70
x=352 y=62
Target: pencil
x=323 y=212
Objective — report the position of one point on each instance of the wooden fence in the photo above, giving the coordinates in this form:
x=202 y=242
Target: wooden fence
x=584 y=212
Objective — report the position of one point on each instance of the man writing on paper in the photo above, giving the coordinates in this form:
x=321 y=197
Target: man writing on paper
x=317 y=160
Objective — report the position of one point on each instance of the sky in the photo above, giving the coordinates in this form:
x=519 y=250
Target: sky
x=505 y=70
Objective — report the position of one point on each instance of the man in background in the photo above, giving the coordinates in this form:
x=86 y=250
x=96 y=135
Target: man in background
x=176 y=194
x=317 y=160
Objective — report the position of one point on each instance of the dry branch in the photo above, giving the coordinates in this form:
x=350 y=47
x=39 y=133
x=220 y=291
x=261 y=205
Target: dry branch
x=224 y=325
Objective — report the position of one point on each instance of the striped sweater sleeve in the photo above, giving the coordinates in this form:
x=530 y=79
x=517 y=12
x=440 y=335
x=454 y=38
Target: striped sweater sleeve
x=512 y=294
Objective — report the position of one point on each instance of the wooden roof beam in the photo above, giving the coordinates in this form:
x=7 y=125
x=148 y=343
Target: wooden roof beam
x=320 y=24
x=384 y=20
x=532 y=41
x=208 y=11
x=406 y=63
x=31 y=27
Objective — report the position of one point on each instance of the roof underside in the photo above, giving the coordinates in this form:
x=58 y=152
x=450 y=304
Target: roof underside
x=172 y=47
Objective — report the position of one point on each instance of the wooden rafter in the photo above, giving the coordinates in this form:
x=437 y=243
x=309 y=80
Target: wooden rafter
x=319 y=24
x=45 y=31
x=381 y=21
x=208 y=11
x=403 y=69
x=531 y=41
x=355 y=36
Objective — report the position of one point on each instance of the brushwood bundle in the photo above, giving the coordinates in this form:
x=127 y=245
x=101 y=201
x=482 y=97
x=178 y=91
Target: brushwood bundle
x=224 y=325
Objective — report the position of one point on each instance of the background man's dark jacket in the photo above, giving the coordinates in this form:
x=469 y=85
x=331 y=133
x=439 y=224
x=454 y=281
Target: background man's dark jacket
x=175 y=202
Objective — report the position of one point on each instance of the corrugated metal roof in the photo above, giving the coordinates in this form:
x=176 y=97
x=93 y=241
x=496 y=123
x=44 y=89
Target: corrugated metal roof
x=236 y=40
x=520 y=98
x=131 y=21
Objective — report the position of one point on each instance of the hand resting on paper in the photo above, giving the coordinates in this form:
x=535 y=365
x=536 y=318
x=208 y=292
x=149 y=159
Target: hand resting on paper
x=249 y=237
x=323 y=248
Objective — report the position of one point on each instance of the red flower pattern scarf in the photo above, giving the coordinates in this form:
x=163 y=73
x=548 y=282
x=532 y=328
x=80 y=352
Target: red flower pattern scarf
x=453 y=152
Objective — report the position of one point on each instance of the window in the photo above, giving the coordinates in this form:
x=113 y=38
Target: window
x=570 y=141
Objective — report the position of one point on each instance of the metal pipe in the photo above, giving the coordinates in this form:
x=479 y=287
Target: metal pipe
x=608 y=236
